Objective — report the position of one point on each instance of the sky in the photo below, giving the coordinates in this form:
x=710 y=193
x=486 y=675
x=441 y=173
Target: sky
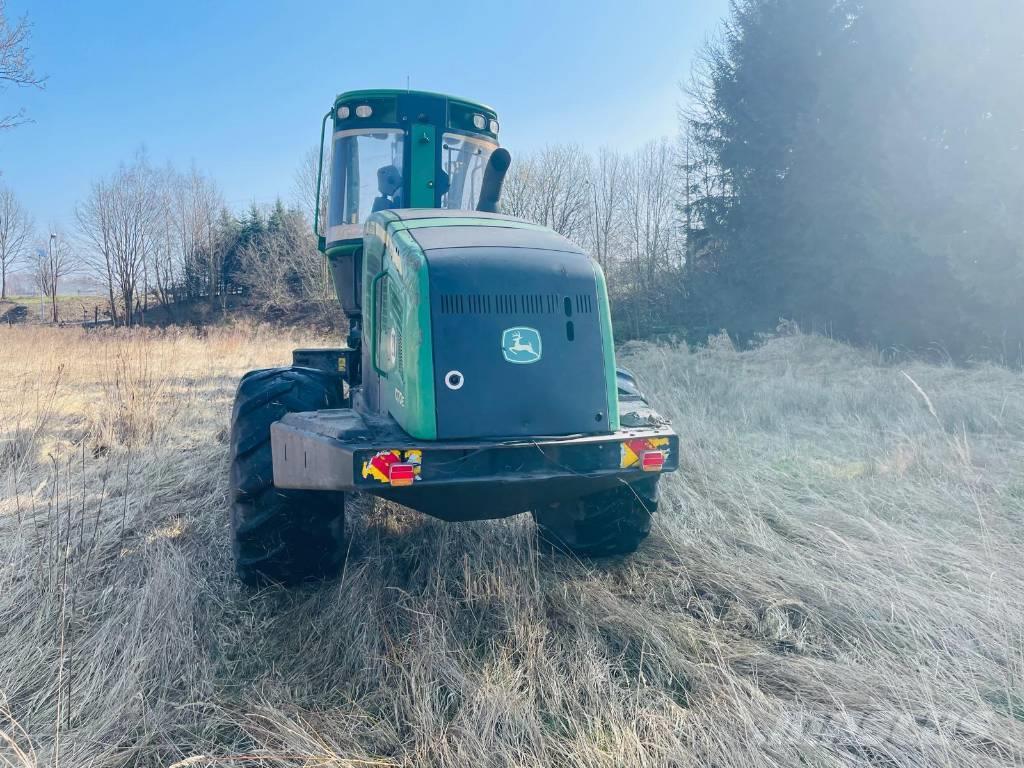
x=238 y=89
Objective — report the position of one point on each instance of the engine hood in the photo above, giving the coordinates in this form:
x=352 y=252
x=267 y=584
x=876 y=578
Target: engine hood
x=518 y=340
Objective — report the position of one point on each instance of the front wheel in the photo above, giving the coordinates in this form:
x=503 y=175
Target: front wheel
x=280 y=535
x=612 y=522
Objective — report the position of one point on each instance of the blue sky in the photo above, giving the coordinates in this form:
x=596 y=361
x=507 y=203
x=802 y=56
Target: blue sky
x=238 y=88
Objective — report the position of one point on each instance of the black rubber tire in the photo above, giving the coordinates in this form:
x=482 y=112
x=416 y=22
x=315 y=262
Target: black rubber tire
x=612 y=522
x=281 y=536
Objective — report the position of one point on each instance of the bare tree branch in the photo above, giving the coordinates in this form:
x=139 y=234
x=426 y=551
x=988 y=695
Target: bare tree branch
x=16 y=228
x=15 y=64
x=552 y=188
x=119 y=223
x=306 y=180
x=56 y=260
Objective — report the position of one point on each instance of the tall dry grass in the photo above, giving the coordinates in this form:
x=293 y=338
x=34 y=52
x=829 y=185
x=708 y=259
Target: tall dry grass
x=834 y=579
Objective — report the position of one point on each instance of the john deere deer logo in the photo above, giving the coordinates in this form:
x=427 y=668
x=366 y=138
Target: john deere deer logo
x=521 y=345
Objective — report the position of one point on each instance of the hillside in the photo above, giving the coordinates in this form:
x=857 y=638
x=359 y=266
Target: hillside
x=835 y=579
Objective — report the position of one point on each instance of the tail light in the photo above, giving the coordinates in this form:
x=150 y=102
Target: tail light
x=402 y=474
x=652 y=461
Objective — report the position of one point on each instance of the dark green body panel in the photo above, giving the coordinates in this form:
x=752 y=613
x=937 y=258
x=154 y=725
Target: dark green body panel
x=503 y=272
x=403 y=385
x=423 y=172
x=455 y=113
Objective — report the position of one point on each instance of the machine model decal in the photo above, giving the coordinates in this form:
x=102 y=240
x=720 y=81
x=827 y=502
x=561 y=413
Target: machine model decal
x=630 y=450
x=521 y=345
x=379 y=467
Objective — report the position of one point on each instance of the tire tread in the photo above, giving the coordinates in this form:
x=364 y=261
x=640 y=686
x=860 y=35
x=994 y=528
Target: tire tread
x=278 y=535
x=612 y=522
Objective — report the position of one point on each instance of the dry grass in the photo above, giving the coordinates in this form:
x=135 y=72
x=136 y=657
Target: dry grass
x=835 y=580
x=71 y=309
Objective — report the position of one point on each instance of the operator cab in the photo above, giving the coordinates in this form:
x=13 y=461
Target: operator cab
x=390 y=149
x=400 y=149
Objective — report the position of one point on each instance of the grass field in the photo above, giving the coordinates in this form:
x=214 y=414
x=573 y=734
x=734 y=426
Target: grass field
x=835 y=579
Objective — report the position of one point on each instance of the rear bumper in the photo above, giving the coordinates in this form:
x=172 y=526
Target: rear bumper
x=339 y=450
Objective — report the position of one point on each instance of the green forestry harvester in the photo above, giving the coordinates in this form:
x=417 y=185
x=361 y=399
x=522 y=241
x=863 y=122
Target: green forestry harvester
x=478 y=379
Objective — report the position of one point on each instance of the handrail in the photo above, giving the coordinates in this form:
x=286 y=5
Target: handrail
x=320 y=173
x=375 y=322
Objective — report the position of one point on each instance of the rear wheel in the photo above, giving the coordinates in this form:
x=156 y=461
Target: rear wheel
x=279 y=535
x=612 y=522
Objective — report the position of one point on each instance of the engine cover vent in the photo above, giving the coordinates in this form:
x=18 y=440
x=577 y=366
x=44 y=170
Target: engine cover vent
x=499 y=303
x=513 y=303
x=584 y=303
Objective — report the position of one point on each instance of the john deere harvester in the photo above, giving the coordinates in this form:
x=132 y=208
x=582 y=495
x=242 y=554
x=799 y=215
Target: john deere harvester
x=478 y=379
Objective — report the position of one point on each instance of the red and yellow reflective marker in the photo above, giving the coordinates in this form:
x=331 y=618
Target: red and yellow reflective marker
x=646 y=453
x=394 y=467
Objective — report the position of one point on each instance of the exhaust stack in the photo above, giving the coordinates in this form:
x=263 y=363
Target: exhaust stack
x=494 y=177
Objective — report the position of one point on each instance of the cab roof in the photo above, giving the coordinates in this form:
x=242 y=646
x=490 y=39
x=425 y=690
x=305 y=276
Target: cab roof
x=376 y=93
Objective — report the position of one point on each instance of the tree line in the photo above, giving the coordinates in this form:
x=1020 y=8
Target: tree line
x=160 y=239
x=853 y=167
x=155 y=238
x=857 y=167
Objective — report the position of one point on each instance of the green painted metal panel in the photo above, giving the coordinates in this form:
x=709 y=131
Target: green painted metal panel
x=399 y=108
x=608 y=342
x=409 y=394
x=408 y=389
x=423 y=158
x=384 y=225
x=467 y=221
x=376 y=93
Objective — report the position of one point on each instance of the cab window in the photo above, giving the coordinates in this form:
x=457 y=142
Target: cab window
x=463 y=160
x=366 y=176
